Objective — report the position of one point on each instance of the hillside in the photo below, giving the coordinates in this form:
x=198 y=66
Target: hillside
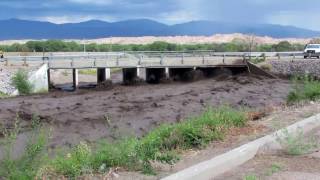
x=24 y=29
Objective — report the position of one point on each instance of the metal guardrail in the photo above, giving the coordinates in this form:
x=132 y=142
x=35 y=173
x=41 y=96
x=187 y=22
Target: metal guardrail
x=134 y=58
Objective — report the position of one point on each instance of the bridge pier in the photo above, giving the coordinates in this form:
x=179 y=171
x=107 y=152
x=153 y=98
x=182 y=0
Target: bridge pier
x=49 y=78
x=103 y=74
x=133 y=75
x=155 y=75
x=75 y=78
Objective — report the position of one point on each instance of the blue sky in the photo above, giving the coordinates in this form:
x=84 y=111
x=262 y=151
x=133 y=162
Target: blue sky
x=301 y=13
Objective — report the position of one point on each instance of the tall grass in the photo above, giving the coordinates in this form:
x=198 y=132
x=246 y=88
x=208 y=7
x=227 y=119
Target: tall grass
x=162 y=145
x=29 y=163
x=3 y=95
x=21 y=83
x=306 y=88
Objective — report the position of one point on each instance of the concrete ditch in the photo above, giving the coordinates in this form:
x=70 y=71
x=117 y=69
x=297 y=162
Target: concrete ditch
x=236 y=157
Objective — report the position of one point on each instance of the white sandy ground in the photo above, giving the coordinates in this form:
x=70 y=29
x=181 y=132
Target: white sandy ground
x=218 y=38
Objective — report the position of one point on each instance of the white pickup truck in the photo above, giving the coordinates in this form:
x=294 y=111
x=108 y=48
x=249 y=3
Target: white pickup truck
x=312 y=50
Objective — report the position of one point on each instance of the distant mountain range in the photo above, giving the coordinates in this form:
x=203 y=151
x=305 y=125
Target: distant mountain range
x=15 y=29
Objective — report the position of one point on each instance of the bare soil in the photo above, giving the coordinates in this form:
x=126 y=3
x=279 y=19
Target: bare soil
x=89 y=115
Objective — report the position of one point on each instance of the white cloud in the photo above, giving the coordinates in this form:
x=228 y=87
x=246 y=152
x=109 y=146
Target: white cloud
x=71 y=19
x=306 y=19
x=97 y=2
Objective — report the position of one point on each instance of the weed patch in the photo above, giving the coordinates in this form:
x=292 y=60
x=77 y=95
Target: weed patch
x=250 y=177
x=306 y=88
x=296 y=143
x=28 y=164
x=21 y=83
x=162 y=145
x=3 y=95
x=275 y=168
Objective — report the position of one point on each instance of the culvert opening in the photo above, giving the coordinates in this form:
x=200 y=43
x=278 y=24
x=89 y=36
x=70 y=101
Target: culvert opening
x=155 y=75
x=185 y=74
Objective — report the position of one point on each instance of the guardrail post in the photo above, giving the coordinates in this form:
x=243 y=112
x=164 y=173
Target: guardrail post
x=7 y=62
x=25 y=62
x=161 y=59
x=117 y=63
x=294 y=57
x=182 y=58
x=72 y=63
x=94 y=62
x=140 y=58
x=224 y=58
x=203 y=60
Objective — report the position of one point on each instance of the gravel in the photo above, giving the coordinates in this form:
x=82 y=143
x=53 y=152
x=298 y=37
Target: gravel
x=5 y=81
x=296 y=67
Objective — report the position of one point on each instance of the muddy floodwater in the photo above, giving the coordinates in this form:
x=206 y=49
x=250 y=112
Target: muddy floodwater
x=90 y=115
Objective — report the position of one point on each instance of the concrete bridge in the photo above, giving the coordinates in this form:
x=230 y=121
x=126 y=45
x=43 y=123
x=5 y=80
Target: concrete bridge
x=150 y=66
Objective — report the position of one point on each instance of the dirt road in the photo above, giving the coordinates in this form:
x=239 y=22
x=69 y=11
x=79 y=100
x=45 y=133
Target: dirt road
x=134 y=110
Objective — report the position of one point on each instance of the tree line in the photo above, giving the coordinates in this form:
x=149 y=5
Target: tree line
x=236 y=45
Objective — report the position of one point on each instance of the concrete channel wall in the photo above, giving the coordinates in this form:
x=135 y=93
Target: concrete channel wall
x=39 y=80
x=225 y=162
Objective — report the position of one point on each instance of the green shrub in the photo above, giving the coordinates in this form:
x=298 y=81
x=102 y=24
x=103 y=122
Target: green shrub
x=3 y=95
x=21 y=83
x=161 y=144
x=275 y=168
x=34 y=157
x=122 y=153
x=306 y=88
x=250 y=177
x=74 y=163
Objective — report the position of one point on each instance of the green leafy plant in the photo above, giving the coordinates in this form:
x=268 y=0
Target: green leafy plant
x=161 y=145
x=29 y=163
x=3 y=95
x=273 y=169
x=21 y=83
x=250 y=177
x=306 y=88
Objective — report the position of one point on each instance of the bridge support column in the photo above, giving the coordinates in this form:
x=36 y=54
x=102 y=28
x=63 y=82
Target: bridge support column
x=49 y=78
x=75 y=79
x=133 y=75
x=103 y=74
x=155 y=75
